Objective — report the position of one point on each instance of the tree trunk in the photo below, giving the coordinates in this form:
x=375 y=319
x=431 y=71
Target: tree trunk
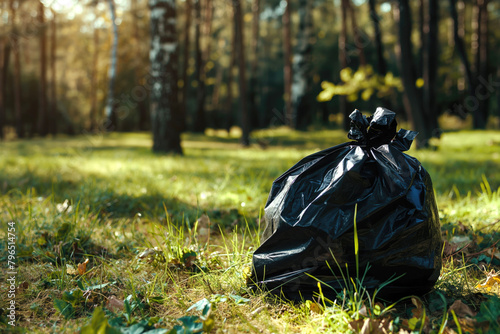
x=411 y=98
x=254 y=112
x=430 y=65
x=421 y=33
x=287 y=70
x=460 y=46
x=94 y=82
x=16 y=77
x=302 y=64
x=185 y=64
x=480 y=115
x=343 y=107
x=199 y=122
x=53 y=94
x=110 y=114
x=232 y=63
x=165 y=118
x=355 y=31
x=205 y=55
x=4 y=64
x=381 y=64
x=42 y=98
x=240 y=47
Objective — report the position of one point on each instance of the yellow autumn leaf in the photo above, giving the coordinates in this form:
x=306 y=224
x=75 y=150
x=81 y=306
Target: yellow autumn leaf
x=82 y=267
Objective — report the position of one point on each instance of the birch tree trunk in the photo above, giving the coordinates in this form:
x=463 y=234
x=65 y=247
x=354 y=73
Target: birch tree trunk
x=42 y=88
x=302 y=63
x=110 y=116
x=287 y=70
x=165 y=117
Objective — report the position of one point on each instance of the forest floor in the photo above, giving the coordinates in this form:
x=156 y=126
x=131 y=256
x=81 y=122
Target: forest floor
x=111 y=236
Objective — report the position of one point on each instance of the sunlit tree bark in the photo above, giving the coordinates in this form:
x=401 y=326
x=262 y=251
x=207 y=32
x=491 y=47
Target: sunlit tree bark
x=52 y=111
x=42 y=88
x=165 y=118
x=110 y=115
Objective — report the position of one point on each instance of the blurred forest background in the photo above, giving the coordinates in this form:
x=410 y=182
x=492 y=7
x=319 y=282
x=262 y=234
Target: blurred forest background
x=79 y=67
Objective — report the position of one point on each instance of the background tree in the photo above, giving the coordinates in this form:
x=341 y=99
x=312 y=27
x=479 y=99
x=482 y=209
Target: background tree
x=287 y=67
x=302 y=65
x=42 y=88
x=110 y=114
x=165 y=119
x=240 y=50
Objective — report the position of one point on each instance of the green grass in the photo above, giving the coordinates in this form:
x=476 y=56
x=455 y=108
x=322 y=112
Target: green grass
x=109 y=198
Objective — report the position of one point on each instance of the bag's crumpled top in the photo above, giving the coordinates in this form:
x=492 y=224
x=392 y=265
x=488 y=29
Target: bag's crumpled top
x=310 y=218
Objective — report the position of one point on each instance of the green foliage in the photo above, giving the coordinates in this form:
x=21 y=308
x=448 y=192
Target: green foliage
x=364 y=81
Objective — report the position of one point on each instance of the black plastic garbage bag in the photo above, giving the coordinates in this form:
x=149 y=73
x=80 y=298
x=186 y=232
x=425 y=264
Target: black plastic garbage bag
x=309 y=237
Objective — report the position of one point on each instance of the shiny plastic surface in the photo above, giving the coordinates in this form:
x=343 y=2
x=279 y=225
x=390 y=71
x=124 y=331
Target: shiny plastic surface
x=310 y=217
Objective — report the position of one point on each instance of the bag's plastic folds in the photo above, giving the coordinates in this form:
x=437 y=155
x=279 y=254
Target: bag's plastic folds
x=309 y=237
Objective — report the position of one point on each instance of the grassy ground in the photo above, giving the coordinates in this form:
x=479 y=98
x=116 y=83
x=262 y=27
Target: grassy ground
x=162 y=233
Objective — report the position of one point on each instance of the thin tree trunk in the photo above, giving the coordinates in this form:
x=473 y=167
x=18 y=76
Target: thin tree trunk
x=287 y=70
x=460 y=46
x=343 y=108
x=185 y=63
x=240 y=46
x=42 y=99
x=254 y=64
x=357 y=38
x=110 y=115
x=218 y=83
x=421 y=33
x=94 y=82
x=381 y=63
x=16 y=77
x=480 y=115
x=302 y=68
x=229 y=101
x=165 y=118
x=205 y=54
x=411 y=98
x=53 y=93
x=4 y=64
x=199 y=122
x=430 y=65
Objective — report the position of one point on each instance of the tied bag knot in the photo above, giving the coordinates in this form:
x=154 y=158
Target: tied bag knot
x=379 y=129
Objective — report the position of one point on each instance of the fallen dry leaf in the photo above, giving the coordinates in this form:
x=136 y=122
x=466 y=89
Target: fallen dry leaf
x=114 y=304
x=371 y=326
x=82 y=267
x=461 y=309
